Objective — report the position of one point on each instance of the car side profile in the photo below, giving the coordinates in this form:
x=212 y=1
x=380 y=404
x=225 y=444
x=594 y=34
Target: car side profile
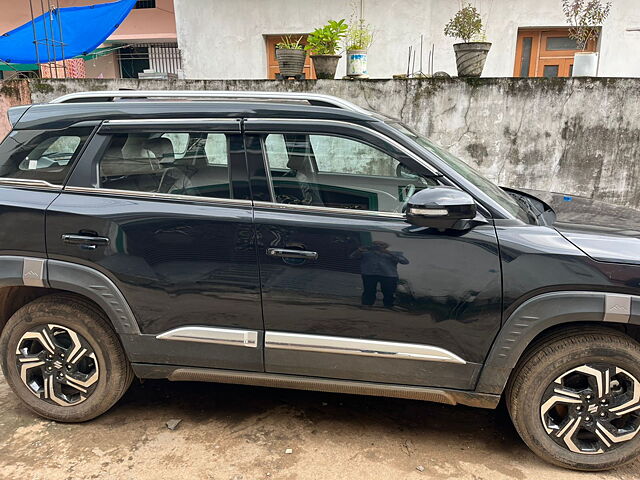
x=299 y=241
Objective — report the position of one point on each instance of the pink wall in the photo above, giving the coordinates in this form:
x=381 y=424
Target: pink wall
x=142 y=24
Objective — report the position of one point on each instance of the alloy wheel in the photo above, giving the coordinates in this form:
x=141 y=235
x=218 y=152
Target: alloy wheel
x=57 y=365
x=592 y=408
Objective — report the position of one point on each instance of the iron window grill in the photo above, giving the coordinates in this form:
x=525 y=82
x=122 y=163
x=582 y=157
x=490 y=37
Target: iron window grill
x=159 y=57
x=145 y=4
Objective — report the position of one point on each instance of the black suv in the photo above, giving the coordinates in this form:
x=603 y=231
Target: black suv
x=299 y=241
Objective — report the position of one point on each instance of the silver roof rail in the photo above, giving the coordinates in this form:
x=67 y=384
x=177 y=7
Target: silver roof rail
x=313 y=98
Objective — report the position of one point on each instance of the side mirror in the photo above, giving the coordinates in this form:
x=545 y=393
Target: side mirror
x=442 y=208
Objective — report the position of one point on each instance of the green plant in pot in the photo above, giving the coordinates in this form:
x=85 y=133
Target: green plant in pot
x=358 y=39
x=471 y=54
x=291 y=56
x=585 y=17
x=324 y=45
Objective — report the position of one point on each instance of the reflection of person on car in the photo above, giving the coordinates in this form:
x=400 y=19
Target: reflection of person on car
x=379 y=265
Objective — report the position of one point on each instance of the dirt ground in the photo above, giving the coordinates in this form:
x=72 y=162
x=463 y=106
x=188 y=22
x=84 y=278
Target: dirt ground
x=234 y=432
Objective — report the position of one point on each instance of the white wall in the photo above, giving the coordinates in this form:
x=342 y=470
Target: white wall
x=225 y=38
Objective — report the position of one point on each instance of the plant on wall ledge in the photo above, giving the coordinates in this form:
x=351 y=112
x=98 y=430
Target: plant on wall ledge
x=585 y=18
x=291 y=56
x=472 y=53
x=324 y=45
x=357 y=41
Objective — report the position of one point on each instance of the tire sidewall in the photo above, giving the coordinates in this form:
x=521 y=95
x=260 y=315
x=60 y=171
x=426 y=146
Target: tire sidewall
x=31 y=317
x=530 y=400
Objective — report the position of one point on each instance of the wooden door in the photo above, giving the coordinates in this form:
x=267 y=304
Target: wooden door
x=272 y=63
x=546 y=53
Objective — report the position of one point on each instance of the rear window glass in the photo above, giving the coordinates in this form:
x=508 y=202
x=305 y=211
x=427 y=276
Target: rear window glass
x=41 y=155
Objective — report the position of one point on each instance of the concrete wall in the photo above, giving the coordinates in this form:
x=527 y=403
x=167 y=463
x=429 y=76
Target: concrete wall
x=575 y=136
x=220 y=40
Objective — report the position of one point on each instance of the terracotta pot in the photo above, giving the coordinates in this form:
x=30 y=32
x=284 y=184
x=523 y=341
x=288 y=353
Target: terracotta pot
x=326 y=65
x=290 y=61
x=470 y=58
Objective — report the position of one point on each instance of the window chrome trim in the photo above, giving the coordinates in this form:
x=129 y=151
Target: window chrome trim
x=360 y=347
x=25 y=182
x=172 y=121
x=156 y=196
x=221 y=336
x=330 y=210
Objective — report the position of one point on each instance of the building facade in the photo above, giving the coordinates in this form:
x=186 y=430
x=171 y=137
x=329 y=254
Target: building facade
x=227 y=39
x=147 y=39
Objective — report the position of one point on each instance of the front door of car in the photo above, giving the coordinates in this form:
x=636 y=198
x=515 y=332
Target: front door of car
x=350 y=290
x=162 y=209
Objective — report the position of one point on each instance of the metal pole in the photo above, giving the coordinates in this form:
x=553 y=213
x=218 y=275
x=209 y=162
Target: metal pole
x=46 y=38
x=64 y=64
x=35 y=36
x=53 y=39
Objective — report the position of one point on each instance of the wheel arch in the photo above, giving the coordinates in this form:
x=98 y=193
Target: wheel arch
x=23 y=279
x=547 y=313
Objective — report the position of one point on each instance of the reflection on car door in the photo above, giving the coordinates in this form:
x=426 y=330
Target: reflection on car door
x=349 y=289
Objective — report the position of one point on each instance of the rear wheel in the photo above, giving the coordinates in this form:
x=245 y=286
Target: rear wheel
x=575 y=399
x=63 y=360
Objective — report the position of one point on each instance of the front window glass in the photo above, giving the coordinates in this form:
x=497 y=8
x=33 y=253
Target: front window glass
x=41 y=155
x=180 y=163
x=338 y=172
x=498 y=195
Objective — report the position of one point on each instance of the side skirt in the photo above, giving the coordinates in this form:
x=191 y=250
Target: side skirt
x=187 y=374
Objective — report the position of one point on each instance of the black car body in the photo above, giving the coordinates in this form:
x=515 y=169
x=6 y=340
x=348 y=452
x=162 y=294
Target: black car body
x=223 y=267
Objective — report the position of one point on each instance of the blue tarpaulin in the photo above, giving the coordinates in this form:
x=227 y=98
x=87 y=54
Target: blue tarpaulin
x=83 y=30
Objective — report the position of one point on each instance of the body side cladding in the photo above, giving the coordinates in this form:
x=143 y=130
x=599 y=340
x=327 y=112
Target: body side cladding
x=543 y=312
x=297 y=382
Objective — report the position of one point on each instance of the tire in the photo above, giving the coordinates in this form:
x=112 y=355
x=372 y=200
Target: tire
x=564 y=413
x=49 y=374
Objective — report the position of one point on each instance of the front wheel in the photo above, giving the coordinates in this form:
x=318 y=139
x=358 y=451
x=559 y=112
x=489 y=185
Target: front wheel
x=61 y=357
x=575 y=399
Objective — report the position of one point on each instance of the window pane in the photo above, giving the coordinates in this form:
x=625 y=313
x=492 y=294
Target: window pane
x=561 y=43
x=526 y=56
x=337 y=172
x=41 y=155
x=551 y=71
x=147 y=162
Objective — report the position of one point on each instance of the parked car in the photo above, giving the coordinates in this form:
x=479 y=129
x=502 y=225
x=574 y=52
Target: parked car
x=299 y=241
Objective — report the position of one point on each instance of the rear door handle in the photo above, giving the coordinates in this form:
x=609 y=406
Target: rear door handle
x=87 y=242
x=290 y=253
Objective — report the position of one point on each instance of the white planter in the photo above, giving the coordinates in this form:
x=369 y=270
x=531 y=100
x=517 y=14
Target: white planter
x=585 y=64
x=357 y=63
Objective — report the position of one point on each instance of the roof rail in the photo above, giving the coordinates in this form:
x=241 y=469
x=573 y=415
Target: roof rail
x=313 y=98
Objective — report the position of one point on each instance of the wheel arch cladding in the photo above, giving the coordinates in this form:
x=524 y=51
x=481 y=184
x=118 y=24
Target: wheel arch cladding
x=544 y=312
x=39 y=273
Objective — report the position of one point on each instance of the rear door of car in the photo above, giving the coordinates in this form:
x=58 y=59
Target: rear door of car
x=162 y=208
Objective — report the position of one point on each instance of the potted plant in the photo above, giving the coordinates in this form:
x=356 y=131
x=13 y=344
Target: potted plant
x=470 y=55
x=291 y=56
x=585 y=18
x=324 y=43
x=358 y=39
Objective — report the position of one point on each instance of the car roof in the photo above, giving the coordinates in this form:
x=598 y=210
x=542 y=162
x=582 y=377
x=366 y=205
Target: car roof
x=158 y=104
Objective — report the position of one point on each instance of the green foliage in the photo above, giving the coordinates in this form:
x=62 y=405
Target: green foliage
x=466 y=24
x=585 y=17
x=359 y=35
x=326 y=40
x=286 y=43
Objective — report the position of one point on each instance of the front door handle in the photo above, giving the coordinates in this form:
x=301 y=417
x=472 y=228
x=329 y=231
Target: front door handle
x=87 y=242
x=290 y=253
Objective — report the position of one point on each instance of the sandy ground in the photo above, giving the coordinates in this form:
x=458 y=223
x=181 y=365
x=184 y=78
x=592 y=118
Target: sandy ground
x=236 y=432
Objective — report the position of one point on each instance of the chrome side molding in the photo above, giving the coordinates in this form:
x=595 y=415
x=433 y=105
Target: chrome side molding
x=356 y=346
x=221 y=336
